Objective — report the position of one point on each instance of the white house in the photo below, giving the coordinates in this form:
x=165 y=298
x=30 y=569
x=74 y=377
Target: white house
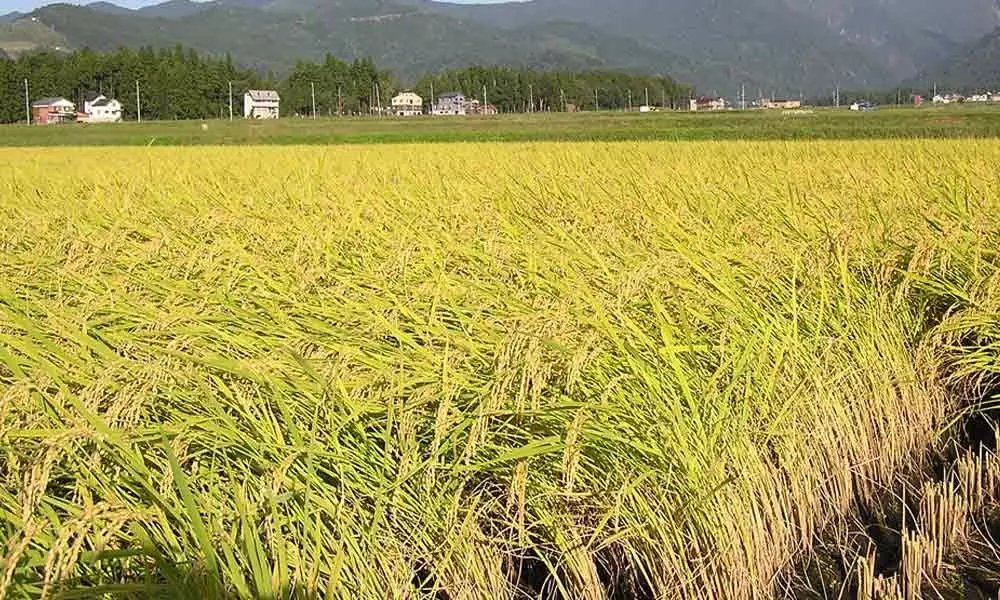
x=703 y=103
x=948 y=99
x=781 y=103
x=98 y=108
x=407 y=104
x=452 y=103
x=261 y=104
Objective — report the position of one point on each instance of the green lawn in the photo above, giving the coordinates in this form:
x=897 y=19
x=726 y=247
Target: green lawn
x=945 y=122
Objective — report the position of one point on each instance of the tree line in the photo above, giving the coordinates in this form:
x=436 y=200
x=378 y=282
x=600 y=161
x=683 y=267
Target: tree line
x=175 y=83
x=513 y=89
x=179 y=83
x=338 y=87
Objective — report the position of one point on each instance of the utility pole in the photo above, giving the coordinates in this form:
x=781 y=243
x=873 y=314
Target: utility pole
x=531 y=97
x=230 y=100
x=433 y=99
x=597 y=103
x=743 y=96
x=897 y=97
x=628 y=106
x=647 y=96
x=562 y=100
x=312 y=87
x=340 y=102
x=663 y=99
x=483 y=111
x=27 y=102
x=138 y=102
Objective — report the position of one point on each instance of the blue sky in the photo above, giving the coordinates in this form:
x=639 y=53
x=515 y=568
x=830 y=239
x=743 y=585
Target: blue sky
x=7 y=6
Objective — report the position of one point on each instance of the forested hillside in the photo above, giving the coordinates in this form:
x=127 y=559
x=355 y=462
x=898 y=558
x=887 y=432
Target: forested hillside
x=777 y=46
x=975 y=67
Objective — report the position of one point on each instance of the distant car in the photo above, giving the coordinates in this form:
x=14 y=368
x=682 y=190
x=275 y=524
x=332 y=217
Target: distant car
x=863 y=106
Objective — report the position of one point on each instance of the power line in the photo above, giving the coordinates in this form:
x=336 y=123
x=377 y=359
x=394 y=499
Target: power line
x=27 y=102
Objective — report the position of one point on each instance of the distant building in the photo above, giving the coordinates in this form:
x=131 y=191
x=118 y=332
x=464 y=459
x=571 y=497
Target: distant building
x=781 y=104
x=98 y=108
x=948 y=99
x=475 y=107
x=53 y=110
x=703 y=103
x=452 y=103
x=261 y=104
x=407 y=104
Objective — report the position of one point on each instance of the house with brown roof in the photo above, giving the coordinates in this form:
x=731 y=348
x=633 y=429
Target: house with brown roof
x=46 y=111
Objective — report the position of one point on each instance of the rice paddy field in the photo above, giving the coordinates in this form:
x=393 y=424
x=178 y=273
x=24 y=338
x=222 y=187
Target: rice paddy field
x=635 y=370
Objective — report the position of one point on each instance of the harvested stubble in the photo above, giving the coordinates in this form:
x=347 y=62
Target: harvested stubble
x=487 y=371
x=949 y=534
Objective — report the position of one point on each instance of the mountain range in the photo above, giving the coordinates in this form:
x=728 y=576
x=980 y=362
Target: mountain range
x=974 y=67
x=772 y=46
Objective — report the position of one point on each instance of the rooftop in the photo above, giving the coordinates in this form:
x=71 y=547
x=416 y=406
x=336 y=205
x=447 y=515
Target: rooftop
x=270 y=95
x=49 y=101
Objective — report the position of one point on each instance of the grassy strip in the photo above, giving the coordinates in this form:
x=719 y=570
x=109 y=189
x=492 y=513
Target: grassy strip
x=821 y=124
